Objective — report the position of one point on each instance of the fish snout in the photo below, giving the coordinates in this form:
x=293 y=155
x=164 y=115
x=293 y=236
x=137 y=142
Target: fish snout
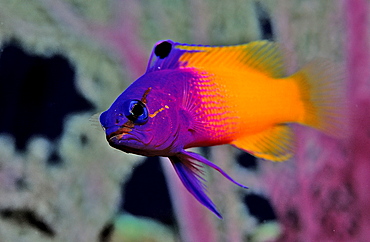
x=117 y=135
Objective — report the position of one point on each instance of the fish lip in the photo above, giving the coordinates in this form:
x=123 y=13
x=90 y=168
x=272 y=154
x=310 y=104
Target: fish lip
x=123 y=133
x=120 y=132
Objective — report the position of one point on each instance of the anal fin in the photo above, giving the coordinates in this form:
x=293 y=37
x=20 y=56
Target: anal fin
x=275 y=144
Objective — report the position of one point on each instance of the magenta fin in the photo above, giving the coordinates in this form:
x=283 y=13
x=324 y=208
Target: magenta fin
x=189 y=176
x=190 y=173
x=200 y=158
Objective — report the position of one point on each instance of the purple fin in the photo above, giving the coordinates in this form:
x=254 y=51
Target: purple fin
x=190 y=175
x=200 y=158
x=165 y=55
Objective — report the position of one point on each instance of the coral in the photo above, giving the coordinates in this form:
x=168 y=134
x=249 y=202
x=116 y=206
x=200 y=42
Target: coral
x=321 y=194
x=134 y=229
x=74 y=199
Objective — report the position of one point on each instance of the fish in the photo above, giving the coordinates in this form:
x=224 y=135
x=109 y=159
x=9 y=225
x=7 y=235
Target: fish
x=201 y=95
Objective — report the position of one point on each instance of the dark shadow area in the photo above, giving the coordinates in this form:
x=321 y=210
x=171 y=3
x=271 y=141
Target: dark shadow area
x=264 y=20
x=260 y=208
x=248 y=161
x=106 y=233
x=36 y=94
x=146 y=193
x=27 y=218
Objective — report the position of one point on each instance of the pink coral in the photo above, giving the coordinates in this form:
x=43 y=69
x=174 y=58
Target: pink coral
x=326 y=196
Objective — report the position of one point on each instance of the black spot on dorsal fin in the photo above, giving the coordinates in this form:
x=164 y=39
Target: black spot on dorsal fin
x=163 y=49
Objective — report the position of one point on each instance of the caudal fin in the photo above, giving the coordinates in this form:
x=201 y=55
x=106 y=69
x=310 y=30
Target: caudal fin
x=322 y=93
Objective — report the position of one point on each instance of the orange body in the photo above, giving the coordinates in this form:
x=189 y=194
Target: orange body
x=246 y=99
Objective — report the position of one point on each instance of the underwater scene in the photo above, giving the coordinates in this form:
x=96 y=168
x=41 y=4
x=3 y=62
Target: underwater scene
x=184 y=121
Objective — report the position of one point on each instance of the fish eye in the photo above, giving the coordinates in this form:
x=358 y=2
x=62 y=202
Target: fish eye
x=136 y=111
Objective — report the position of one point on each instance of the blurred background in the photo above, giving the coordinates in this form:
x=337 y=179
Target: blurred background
x=64 y=61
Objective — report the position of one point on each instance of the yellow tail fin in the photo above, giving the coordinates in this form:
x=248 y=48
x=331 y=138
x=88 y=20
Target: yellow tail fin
x=322 y=93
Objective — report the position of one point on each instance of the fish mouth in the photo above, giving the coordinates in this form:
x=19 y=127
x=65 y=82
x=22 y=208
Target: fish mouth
x=117 y=135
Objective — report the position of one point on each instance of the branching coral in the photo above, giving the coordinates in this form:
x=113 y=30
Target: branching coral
x=71 y=201
x=322 y=194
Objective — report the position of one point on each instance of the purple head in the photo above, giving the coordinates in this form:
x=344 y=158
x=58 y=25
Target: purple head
x=147 y=118
x=159 y=115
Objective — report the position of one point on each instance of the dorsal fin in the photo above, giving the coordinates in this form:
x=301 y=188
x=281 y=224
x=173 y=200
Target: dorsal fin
x=262 y=56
